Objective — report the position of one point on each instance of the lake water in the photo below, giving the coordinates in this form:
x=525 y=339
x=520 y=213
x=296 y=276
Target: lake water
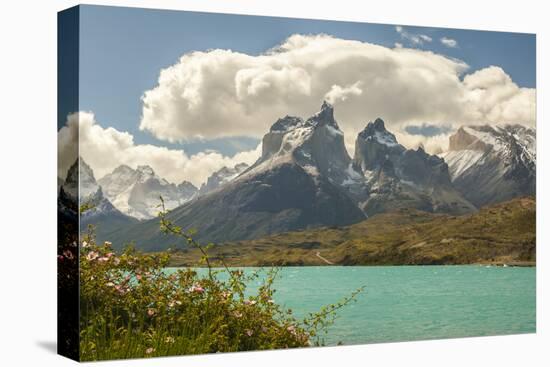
x=414 y=302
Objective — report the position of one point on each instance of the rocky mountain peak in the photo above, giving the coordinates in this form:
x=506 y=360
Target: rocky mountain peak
x=490 y=164
x=136 y=192
x=122 y=169
x=316 y=145
x=376 y=132
x=145 y=170
x=325 y=115
x=222 y=177
x=286 y=123
x=374 y=145
x=80 y=181
x=462 y=140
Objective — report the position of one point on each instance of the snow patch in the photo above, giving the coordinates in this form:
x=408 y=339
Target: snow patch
x=461 y=160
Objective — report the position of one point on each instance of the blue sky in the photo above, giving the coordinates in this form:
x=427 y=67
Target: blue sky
x=124 y=49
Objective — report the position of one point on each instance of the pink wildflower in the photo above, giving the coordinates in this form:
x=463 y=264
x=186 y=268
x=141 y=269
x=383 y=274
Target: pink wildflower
x=84 y=244
x=249 y=332
x=149 y=350
x=92 y=256
x=151 y=312
x=250 y=302
x=110 y=284
x=196 y=289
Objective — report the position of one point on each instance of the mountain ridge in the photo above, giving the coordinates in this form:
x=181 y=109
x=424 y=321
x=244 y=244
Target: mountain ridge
x=491 y=164
x=305 y=179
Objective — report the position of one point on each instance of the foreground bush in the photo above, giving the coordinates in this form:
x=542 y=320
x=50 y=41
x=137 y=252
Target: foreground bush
x=132 y=307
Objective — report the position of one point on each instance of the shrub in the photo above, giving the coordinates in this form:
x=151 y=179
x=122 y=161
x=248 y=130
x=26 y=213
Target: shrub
x=132 y=307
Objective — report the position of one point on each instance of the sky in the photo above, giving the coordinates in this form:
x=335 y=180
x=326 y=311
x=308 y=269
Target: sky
x=239 y=77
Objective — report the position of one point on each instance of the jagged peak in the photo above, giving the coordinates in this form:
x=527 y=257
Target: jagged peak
x=326 y=106
x=325 y=115
x=146 y=169
x=187 y=184
x=123 y=168
x=379 y=124
x=286 y=123
x=372 y=127
x=376 y=130
x=79 y=168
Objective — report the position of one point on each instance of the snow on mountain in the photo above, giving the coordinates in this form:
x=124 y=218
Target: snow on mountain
x=306 y=179
x=80 y=183
x=222 y=177
x=398 y=177
x=316 y=145
x=295 y=184
x=136 y=192
x=490 y=164
x=81 y=188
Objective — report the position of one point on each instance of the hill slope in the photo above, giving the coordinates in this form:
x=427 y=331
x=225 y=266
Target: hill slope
x=503 y=233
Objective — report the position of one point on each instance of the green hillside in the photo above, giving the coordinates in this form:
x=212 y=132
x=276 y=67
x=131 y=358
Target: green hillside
x=499 y=234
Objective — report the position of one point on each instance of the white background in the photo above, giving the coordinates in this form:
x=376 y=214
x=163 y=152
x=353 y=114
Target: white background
x=28 y=182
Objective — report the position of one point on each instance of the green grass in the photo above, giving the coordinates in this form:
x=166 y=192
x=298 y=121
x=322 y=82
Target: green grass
x=498 y=234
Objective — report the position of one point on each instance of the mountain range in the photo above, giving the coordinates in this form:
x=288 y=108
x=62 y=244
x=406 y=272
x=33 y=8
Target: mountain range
x=136 y=192
x=80 y=189
x=305 y=179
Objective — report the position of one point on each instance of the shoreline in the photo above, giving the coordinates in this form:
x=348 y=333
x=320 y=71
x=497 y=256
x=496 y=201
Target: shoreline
x=526 y=264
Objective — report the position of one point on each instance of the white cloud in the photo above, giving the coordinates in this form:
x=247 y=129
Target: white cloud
x=416 y=39
x=433 y=144
x=338 y=93
x=492 y=96
x=222 y=93
x=104 y=149
x=449 y=42
x=425 y=38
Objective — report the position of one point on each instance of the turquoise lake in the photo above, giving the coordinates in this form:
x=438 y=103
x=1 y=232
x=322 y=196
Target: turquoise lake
x=414 y=302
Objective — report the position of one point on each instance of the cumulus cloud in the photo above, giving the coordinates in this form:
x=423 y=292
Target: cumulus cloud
x=104 y=149
x=221 y=93
x=492 y=96
x=449 y=42
x=338 y=93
